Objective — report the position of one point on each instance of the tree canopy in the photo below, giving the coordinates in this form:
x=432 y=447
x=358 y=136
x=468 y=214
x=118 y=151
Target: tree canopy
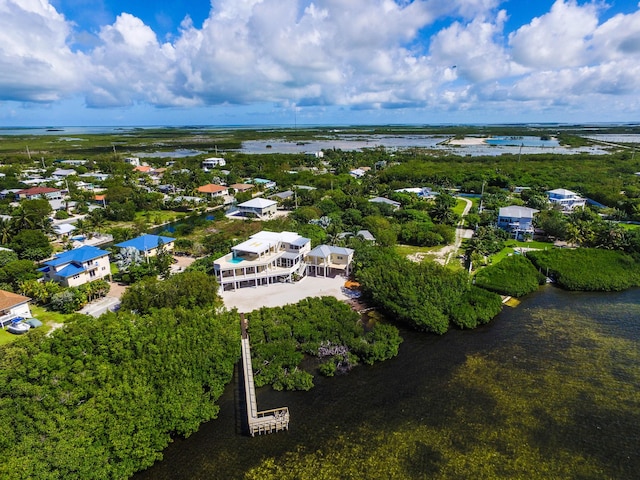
x=101 y=398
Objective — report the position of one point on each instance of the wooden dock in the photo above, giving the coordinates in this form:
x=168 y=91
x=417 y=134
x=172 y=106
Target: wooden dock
x=267 y=421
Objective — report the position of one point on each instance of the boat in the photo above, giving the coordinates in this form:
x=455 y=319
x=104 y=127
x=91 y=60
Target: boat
x=18 y=328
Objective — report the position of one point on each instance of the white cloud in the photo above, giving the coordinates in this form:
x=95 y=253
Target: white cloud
x=557 y=39
x=354 y=53
x=36 y=65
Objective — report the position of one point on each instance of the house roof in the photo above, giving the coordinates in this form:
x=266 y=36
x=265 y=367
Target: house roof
x=78 y=255
x=324 y=251
x=71 y=270
x=242 y=186
x=257 y=203
x=64 y=228
x=37 y=191
x=562 y=191
x=517 y=211
x=283 y=195
x=143 y=169
x=145 y=242
x=212 y=188
x=264 y=240
x=385 y=200
x=64 y=172
x=8 y=299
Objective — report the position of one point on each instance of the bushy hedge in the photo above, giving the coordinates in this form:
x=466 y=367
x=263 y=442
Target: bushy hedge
x=589 y=269
x=425 y=295
x=323 y=327
x=514 y=275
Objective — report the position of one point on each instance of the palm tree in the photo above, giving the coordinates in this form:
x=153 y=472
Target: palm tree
x=97 y=220
x=23 y=220
x=6 y=231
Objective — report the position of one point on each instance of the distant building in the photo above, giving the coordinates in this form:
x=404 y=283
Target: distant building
x=213 y=190
x=213 y=162
x=148 y=245
x=77 y=267
x=63 y=229
x=258 y=207
x=365 y=235
x=393 y=203
x=357 y=173
x=39 y=192
x=566 y=199
x=143 y=169
x=280 y=196
x=74 y=163
x=242 y=187
x=264 y=183
x=134 y=161
x=422 y=192
x=62 y=173
x=517 y=220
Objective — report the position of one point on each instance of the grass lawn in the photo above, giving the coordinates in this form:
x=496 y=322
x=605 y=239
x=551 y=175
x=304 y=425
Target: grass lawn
x=158 y=217
x=629 y=226
x=536 y=245
x=48 y=317
x=6 y=337
x=460 y=204
x=513 y=245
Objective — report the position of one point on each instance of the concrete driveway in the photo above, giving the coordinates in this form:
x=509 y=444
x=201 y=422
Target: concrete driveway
x=103 y=305
x=279 y=294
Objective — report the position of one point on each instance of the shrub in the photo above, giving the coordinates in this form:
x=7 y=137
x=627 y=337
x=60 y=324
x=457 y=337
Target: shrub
x=589 y=269
x=515 y=276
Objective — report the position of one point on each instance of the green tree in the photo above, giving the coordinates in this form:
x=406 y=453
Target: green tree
x=31 y=245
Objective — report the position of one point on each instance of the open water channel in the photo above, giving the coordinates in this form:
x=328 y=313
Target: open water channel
x=550 y=389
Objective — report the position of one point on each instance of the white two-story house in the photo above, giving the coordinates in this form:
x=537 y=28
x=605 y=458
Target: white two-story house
x=567 y=199
x=517 y=220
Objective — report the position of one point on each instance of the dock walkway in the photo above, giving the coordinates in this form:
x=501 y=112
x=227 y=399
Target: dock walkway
x=266 y=421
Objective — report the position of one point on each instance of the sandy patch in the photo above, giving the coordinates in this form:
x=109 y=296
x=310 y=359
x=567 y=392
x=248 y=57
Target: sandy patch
x=116 y=289
x=467 y=141
x=252 y=298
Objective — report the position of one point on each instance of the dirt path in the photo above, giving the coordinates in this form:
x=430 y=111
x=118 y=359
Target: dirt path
x=444 y=255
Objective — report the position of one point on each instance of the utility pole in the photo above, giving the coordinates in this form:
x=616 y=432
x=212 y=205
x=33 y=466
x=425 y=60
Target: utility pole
x=520 y=151
x=28 y=152
x=481 y=195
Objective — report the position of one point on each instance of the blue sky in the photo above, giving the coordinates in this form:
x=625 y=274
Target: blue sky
x=251 y=62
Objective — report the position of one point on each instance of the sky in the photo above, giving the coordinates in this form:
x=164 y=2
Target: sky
x=322 y=62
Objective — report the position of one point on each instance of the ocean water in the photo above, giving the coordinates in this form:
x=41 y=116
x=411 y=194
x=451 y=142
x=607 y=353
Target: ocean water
x=550 y=389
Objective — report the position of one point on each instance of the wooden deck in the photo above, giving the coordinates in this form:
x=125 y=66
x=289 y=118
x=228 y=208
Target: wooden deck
x=267 y=421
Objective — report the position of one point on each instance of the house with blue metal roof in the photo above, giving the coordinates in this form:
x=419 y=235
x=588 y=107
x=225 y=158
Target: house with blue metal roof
x=78 y=266
x=148 y=244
